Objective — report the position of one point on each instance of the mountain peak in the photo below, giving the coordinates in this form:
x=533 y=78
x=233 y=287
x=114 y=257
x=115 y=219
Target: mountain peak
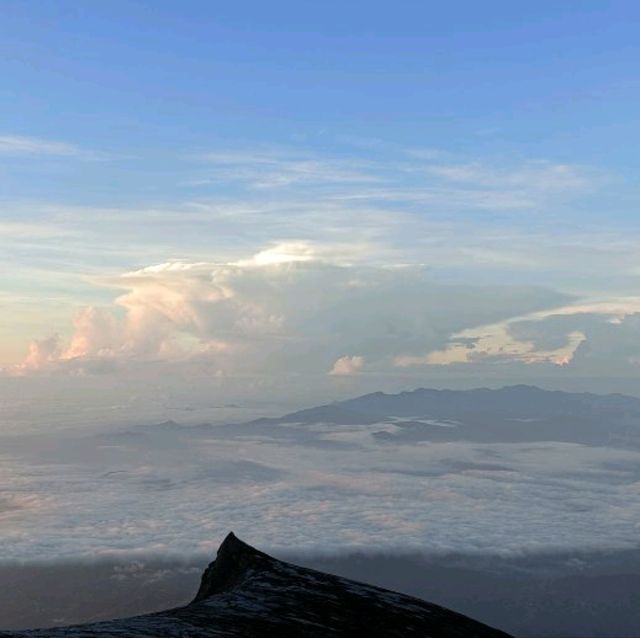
x=234 y=560
x=245 y=592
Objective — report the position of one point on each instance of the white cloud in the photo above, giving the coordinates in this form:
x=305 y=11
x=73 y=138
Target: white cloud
x=282 y=254
x=347 y=366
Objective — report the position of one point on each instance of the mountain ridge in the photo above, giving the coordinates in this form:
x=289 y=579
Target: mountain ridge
x=512 y=414
x=245 y=592
x=516 y=392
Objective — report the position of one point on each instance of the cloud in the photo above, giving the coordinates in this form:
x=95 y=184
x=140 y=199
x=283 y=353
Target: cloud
x=610 y=340
x=282 y=253
x=42 y=352
x=260 y=169
x=460 y=218
x=407 y=177
x=594 y=337
x=285 y=310
x=538 y=176
x=81 y=495
x=347 y=366
x=29 y=231
x=20 y=145
x=296 y=308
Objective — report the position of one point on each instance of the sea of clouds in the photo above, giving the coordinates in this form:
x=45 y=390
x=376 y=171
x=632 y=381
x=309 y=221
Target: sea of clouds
x=156 y=488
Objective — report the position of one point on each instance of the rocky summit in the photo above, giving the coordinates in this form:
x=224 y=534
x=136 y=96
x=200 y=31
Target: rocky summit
x=245 y=592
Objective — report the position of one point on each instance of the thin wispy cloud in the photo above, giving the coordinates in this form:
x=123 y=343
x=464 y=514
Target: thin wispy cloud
x=34 y=147
x=542 y=176
x=409 y=177
x=281 y=169
x=21 y=145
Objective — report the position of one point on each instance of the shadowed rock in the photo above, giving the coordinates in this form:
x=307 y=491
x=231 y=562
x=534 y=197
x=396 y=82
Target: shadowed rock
x=245 y=592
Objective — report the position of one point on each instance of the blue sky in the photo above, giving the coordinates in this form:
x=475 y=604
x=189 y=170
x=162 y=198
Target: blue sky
x=149 y=151
x=158 y=79
x=499 y=77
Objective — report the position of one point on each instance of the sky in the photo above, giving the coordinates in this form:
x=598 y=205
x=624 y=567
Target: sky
x=294 y=201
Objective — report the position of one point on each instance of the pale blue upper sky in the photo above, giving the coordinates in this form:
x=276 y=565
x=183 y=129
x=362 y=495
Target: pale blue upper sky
x=483 y=143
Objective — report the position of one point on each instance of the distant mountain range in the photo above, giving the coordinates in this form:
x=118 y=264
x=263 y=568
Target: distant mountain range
x=247 y=593
x=518 y=413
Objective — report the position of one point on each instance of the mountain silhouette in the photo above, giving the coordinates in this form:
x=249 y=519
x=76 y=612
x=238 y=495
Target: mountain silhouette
x=245 y=592
x=513 y=414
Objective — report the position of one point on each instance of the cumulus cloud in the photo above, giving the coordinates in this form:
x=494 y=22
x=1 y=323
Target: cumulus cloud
x=347 y=366
x=286 y=309
x=41 y=353
x=297 y=309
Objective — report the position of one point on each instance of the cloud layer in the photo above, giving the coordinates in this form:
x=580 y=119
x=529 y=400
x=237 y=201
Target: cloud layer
x=316 y=487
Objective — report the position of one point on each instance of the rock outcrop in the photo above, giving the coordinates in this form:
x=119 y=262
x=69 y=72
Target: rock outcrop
x=247 y=593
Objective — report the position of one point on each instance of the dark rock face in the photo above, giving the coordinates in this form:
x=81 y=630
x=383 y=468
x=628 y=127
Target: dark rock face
x=245 y=592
